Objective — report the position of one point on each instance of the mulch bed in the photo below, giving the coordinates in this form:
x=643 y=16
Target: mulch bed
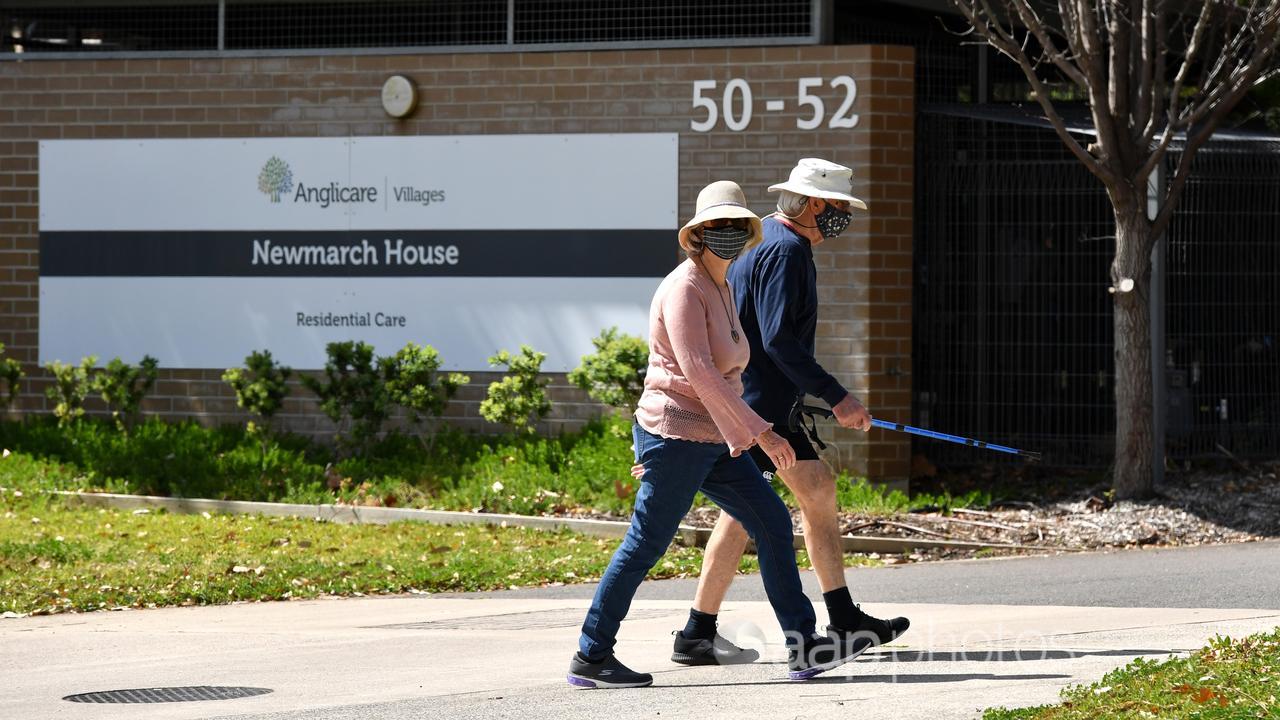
x=1064 y=513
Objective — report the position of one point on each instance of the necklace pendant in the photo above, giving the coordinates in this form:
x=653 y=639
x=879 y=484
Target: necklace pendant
x=734 y=334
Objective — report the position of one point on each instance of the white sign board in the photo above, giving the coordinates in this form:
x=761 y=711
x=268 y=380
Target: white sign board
x=200 y=251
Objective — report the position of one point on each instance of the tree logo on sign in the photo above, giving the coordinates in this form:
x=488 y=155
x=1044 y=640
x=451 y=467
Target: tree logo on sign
x=275 y=179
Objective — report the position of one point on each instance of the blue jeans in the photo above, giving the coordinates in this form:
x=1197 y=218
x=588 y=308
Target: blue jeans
x=674 y=471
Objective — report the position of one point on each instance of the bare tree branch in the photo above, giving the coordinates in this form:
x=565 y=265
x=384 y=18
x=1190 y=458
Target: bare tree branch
x=1144 y=50
x=1156 y=93
x=983 y=21
x=1120 y=29
x=1263 y=54
x=1175 y=96
x=1118 y=63
x=1095 y=55
x=1071 y=27
x=1031 y=20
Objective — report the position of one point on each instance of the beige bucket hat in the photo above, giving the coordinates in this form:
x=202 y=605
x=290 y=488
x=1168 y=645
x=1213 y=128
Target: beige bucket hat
x=721 y=199
x=815 y=177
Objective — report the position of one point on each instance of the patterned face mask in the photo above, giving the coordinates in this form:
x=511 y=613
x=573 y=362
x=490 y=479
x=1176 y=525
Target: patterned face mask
x=725 y=242
x=832 y=221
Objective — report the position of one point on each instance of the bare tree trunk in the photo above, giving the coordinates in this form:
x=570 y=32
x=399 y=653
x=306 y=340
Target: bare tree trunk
x=1132 y=472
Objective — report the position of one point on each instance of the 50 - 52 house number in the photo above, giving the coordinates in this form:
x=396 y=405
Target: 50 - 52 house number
x=737 y=104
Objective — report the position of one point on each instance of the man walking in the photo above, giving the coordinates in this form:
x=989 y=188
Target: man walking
x=775 y=289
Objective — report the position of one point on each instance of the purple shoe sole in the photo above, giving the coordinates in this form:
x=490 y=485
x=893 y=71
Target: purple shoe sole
x=579 y=682
x=805 y=674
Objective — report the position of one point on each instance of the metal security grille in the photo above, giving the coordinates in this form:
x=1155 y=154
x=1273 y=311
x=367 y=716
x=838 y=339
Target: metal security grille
x=946 y=71
x=32 y=26
x=134 y=27
x=1012 y=320
x=564 y=21
x=382 y=23
x=1223 y=300
x=167 y=694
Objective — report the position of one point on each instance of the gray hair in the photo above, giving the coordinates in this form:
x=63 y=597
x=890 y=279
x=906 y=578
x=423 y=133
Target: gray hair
x=791 y=204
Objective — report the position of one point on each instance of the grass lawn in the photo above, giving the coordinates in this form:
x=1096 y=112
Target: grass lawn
x=55 y=557
x=1228 y=680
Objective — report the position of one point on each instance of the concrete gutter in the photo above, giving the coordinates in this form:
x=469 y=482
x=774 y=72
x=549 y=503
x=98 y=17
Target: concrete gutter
x=353 y=514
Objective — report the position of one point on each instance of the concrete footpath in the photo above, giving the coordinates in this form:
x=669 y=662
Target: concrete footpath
x=460 y=657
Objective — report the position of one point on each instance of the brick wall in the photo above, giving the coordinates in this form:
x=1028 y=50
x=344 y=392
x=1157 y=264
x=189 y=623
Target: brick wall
x=865 y=275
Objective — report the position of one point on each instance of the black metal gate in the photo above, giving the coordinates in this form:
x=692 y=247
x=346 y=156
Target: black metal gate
x=1013 y=321
x=1223 y=304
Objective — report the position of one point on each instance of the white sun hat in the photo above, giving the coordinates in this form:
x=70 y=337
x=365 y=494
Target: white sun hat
x=721 y=199
x=814 y=177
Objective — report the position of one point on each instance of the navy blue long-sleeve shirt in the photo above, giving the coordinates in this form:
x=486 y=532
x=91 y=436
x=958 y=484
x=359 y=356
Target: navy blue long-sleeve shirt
x=775 y=285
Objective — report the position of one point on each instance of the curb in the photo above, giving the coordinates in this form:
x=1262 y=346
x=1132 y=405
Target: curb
x=351 y=514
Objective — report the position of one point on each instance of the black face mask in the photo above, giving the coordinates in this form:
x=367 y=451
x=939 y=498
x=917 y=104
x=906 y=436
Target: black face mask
x=725 y=242
x=832 y=221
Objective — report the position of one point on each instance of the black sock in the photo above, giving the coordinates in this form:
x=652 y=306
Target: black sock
x=700 y=626
x=840 y=608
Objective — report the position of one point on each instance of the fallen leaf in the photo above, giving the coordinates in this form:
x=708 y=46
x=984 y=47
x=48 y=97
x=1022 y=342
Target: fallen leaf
x=1204 y=695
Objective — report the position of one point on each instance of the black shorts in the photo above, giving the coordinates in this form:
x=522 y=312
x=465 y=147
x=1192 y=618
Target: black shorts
x=799 y=442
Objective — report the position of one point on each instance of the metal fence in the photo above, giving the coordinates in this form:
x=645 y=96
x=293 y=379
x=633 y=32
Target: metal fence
x=1013 y=322
x=1223 y=305
x=175 y=26
x=1012 y=319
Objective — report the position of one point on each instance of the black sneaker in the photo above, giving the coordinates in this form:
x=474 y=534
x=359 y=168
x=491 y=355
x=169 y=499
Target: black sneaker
x=701 y=651
x=876 y=630
x=820 y=653
x=608 y=673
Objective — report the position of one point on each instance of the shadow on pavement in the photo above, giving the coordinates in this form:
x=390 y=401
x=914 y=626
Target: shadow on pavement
x=845 y=679
x=1001 y=655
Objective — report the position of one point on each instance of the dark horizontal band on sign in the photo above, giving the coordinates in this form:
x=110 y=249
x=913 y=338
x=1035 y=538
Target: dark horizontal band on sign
x=359 y=253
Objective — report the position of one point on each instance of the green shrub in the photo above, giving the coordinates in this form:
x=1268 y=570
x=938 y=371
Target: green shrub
x=181 y=459
x=614 y=374
x=123 y=386
x=519 y=400
x=71 y=385
x=415 y=383
x=353 y=393
x=533 y=475
x=261 y=386
x=11 y=374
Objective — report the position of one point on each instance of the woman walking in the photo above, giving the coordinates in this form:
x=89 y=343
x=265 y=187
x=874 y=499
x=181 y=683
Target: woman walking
x=691 y=433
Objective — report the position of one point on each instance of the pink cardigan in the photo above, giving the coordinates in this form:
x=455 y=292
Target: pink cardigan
x=693 y=388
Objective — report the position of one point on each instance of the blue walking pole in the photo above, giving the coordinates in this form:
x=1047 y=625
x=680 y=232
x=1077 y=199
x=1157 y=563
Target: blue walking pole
x=812 y=410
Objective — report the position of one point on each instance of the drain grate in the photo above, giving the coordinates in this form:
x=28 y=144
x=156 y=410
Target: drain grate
x=167 y=694
x=532 y=620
